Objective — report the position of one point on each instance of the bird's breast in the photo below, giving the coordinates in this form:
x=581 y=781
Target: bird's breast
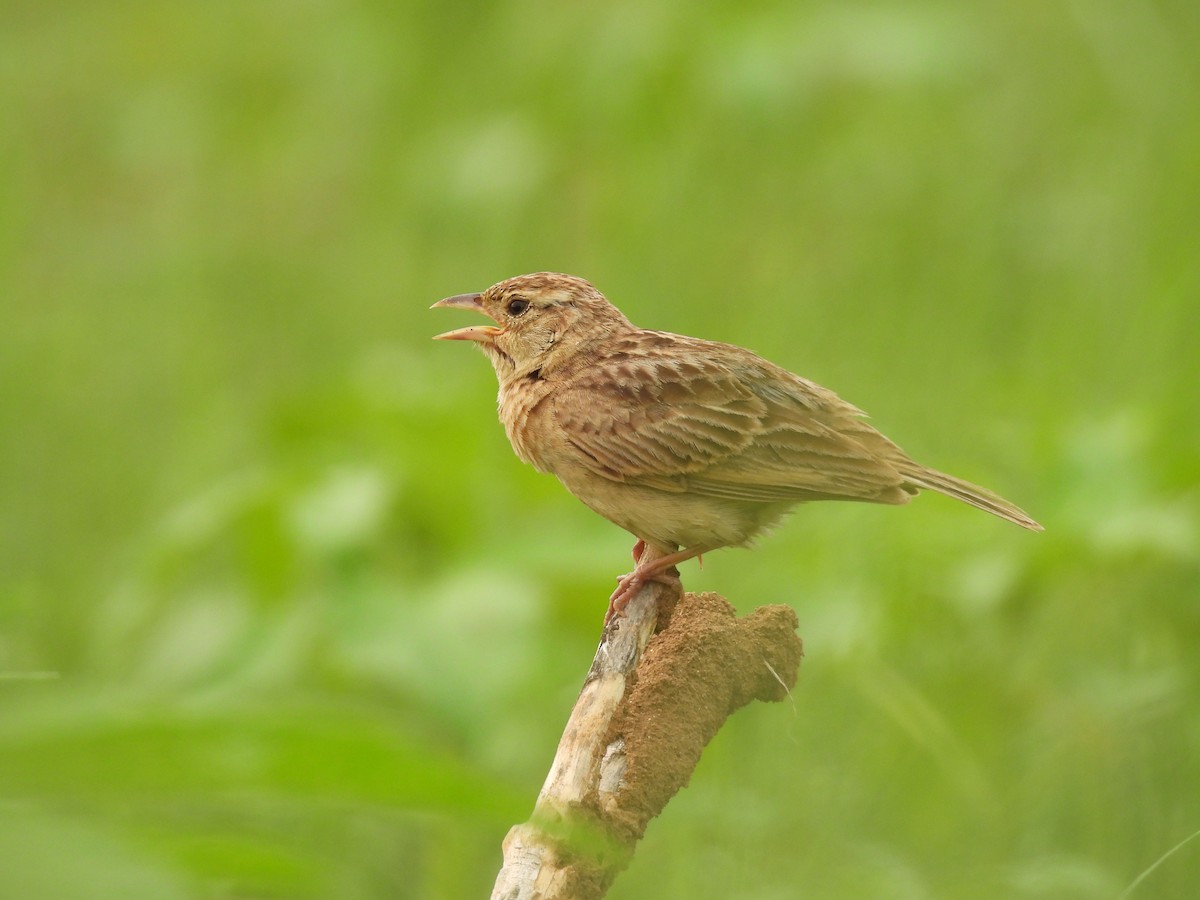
x=524 y=410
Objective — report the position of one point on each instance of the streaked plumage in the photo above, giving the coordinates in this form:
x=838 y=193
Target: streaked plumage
x=683 y=442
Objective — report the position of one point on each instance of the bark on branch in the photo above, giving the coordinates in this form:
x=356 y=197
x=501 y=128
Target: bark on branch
x=650 y=704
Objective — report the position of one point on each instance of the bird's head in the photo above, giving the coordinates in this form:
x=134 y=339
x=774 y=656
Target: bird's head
x=540 y=319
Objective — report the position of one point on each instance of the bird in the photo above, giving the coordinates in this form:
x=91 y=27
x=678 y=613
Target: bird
x=690 y=445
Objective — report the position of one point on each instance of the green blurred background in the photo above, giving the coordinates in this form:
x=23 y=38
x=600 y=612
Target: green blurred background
x=282 y=616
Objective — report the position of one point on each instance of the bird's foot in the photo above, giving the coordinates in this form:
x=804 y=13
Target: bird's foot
x=629 y=584
x=652 y=565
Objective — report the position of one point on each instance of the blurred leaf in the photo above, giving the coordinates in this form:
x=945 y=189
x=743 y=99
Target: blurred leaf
x=62 y=858
x=319 y=752
x=1063 y=877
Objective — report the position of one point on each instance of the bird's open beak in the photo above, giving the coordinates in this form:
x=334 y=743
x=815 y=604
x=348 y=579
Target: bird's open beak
x=482 y=333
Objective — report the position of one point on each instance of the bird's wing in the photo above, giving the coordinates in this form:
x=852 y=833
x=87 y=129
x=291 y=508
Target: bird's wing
x=656 y=416
x=715 y=419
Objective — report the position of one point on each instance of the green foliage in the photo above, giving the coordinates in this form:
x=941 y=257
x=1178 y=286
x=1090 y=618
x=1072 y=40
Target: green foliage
x=280 y=615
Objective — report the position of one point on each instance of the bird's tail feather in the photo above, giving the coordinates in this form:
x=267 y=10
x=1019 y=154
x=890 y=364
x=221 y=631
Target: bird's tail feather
x=973 y=494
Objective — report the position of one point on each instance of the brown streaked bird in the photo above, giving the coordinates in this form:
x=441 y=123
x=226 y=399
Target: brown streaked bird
x=690 y=445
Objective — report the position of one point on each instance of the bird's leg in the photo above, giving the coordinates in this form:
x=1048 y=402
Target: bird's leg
x=638 y=549
x=650 y=567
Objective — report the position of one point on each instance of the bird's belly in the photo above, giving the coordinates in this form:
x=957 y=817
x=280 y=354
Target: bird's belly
x=674 y=519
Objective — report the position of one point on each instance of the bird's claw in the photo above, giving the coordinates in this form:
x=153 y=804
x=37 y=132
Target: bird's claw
x=629 y=584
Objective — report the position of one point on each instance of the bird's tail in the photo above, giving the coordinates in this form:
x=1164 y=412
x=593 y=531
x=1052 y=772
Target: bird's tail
x=973 y=494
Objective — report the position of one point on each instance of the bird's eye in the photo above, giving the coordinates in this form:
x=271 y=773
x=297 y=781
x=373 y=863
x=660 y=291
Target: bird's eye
x=517 y=305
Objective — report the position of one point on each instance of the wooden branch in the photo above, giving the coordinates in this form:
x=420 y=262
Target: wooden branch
x=650 y=704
